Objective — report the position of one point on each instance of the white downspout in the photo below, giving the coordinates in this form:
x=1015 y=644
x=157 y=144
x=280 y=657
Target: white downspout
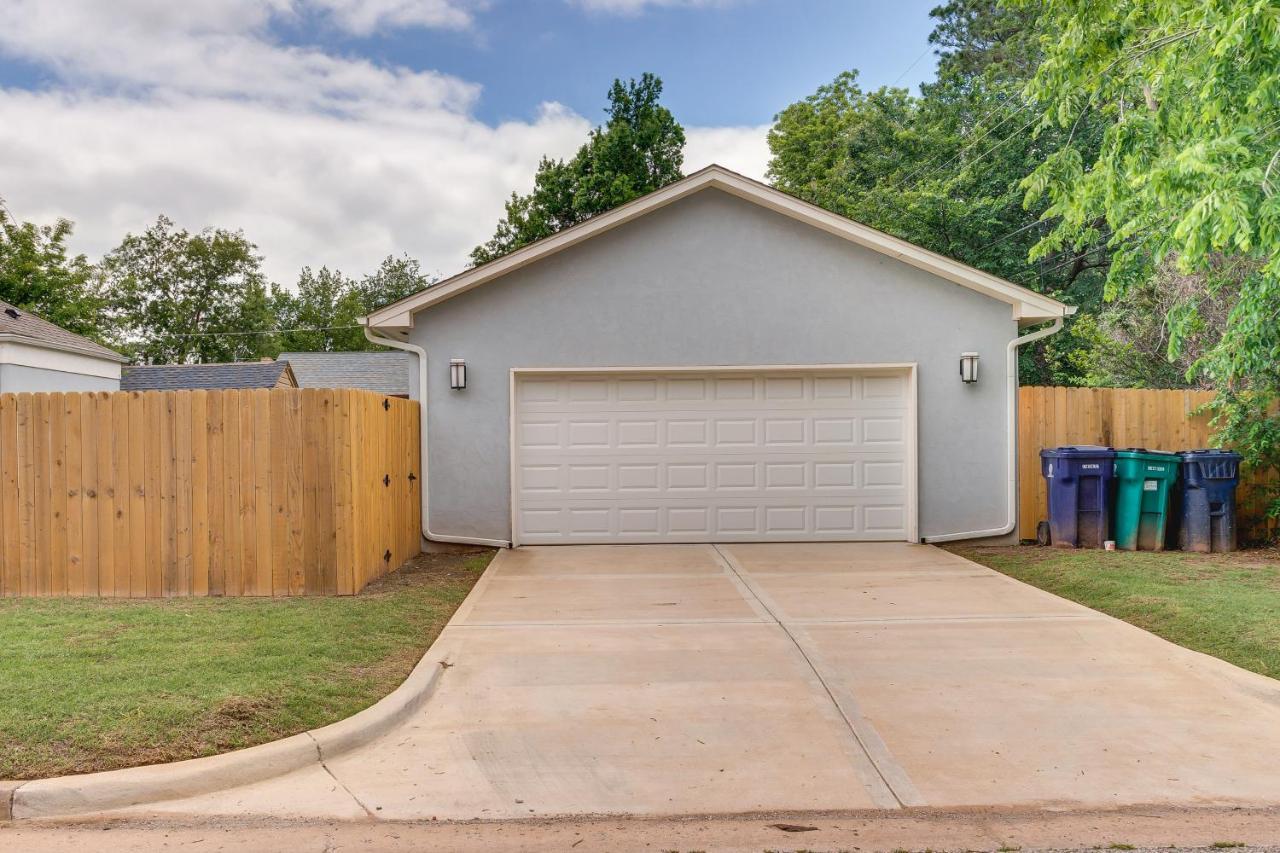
x=1011 y=370
x=427 y=533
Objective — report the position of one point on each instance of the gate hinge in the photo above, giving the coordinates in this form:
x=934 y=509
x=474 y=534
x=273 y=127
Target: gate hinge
x=386 y=479
x=386 y=404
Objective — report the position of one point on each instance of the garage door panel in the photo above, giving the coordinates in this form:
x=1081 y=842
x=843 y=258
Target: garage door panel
x=722 y=521
x=726 y=475
x=716 y=457
x=700 y=393
x=800 y=431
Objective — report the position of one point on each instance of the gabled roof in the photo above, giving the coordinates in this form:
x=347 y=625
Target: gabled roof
x=18 y=324
x=383 y=372
x=1028 y=306
x=236 y=374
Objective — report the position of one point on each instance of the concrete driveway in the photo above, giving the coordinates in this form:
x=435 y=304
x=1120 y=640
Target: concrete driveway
x=699 y=679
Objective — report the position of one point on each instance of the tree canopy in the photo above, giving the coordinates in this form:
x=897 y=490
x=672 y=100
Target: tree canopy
x=320 y=315
x=944 y=169
x=1187 y=175
x=638 y=150
x=178 y=297
x=38 y=274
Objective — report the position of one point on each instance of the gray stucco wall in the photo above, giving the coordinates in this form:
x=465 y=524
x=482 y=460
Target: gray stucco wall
x=412 y=370
x=17 y=378
x=714 y=280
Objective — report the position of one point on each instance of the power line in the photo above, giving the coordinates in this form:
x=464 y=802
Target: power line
x=933 y=167
x=912 y=65
x=259 y=332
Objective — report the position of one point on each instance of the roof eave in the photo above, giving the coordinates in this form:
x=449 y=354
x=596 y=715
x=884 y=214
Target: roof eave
x=1028 y=305
x=108 y=355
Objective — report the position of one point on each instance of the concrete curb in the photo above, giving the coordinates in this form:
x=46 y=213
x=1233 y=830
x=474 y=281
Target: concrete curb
x=114 y=789
x=6 y=799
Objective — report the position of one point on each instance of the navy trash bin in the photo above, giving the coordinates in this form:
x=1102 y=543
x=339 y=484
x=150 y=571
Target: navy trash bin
x=1079 y=481
x=1207 y=517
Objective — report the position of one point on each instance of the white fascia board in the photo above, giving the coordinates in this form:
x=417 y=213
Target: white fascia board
x=24 y=352
x=1028 y=306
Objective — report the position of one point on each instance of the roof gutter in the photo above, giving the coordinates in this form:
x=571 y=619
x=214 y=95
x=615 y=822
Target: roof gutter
x=1011 y=374
x=427 y=532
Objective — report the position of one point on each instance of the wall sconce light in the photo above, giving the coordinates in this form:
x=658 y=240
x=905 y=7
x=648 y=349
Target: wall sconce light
x=457 y=374
x=968 y=367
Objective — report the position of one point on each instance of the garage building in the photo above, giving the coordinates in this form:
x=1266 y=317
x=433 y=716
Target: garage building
x=718 y=361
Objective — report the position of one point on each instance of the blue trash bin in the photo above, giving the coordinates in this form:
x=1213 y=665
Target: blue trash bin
x=1079 y=479
x=1207 y=517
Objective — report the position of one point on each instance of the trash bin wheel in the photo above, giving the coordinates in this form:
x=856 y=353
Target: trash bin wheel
x=1042 y=534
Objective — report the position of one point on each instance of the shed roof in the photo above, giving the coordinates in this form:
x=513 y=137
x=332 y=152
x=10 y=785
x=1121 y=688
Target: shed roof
x=1027 y=305
x=237 y=374
x=383 y=372
x=20 y=324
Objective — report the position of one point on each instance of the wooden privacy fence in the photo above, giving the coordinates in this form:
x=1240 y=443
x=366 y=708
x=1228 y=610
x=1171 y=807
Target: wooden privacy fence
x=205 y=493
x=1116 y=417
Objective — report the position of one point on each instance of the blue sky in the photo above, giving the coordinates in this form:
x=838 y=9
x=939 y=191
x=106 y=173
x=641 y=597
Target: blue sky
x=721 y=66
x=336 y=132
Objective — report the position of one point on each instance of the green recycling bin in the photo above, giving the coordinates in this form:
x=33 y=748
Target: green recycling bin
x=1144 y=479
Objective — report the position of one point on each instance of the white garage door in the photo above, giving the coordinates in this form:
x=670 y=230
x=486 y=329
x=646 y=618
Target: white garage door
x=713 y=457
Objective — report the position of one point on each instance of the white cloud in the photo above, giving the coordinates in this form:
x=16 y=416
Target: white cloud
x=321 y=159
x=307 y=187
x=635 y=7
x=220 y=48
x=365 y=16
x=742 y=149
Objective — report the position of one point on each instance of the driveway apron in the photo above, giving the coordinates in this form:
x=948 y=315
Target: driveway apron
x=696 y=679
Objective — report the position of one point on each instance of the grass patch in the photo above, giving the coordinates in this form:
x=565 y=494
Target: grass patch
x=1225 y=605
x=97 y=684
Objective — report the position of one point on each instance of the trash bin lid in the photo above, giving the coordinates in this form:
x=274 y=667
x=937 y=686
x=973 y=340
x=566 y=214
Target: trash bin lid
x=1078 y=450
x=1133 y=452
x=1188 y=455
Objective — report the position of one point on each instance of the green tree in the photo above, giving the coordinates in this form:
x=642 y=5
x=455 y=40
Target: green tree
x=178 y=297
x=38 y=274
x=985 y=38
x=397 y=276
x=838 y=144
x=944 y=170
x=321 y=315
x=638 y=150
x=1132 y=335
x=1188 y=171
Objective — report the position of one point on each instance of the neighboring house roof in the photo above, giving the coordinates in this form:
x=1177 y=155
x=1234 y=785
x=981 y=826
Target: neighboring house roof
x=18 y=324
x=238 y=374
x=1028 y=306
x=383 y=372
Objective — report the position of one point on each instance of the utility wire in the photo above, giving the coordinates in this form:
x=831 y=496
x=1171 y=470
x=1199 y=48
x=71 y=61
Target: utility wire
x=898 y=79
x=259 y=332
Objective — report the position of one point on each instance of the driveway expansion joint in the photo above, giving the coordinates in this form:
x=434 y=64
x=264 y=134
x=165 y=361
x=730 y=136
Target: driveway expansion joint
x=341 y=784
x=888 y=773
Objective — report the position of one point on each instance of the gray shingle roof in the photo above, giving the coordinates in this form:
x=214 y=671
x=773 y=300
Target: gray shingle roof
x=171 y=377
x=23 y=324
x=383 y=372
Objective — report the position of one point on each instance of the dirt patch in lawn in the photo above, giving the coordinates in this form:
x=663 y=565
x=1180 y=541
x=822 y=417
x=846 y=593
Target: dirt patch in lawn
x=98 y=684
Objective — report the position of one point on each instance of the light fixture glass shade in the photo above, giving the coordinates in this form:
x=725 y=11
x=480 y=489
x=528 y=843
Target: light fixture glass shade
x=968 y=367
x=457 y=374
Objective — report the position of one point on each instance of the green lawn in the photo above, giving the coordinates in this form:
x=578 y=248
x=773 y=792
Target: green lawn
x=1226 y=605
x=99 y=684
